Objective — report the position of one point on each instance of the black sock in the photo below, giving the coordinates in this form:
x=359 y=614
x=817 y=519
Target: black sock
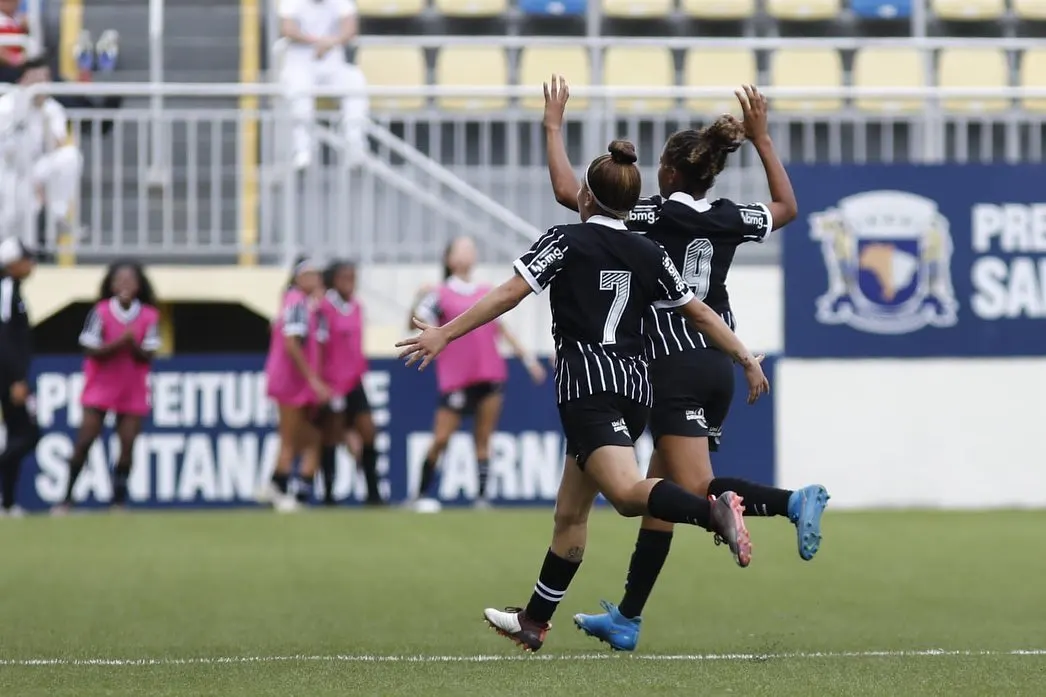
x=280 y=480
x=120 y=477
x=9 y=482
x=649 y=556
x=674 y=504
x=74 y=473
x=484 y=474
x=369 y=464
x=758 y=499
x=555 y=578
x=428 y=473
x=328 y=462
x=305 y=489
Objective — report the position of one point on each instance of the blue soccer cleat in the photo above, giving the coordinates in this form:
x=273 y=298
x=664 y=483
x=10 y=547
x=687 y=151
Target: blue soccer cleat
x=613 y=628
x=805 y=508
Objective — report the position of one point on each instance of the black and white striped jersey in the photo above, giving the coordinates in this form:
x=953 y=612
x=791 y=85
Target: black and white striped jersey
x=701 y=239
x=609 y=280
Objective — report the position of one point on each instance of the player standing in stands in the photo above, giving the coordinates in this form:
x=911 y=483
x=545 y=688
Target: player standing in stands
x=344 y=366
x=693 y=382
x=293 y=368
x=610 y=278
x=119 y=339
x=472 y=371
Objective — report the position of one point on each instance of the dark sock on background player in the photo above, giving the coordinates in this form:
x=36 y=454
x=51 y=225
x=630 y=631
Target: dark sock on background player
x=305 y=484
x=75 y=467
x=652 y=547
x=484 y=475
x=280 y=480
x=328 y=463
x=551 y=587
x=369 y=465
x=120 y=477
x=759 y=500
x=428 y=474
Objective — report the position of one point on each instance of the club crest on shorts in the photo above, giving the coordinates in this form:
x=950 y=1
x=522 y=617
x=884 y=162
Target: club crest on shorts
x=888 y=256
x=620 y=426
x=697 y=415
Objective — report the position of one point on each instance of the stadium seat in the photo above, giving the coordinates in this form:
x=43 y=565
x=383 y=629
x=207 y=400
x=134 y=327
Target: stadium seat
x=882 y=9
x=803 y=10
x=1030 y=9
x=806 y=67
x=471 y=8
x=637 y=9
x=393 y=66
x=647 y=66
x=390 y=8
x=968 y=10
x=718 y=9
x=472 y=66
x=1033 y=74
x=973 y=67
x=554 y=8
x=537 y=64
x=889 y=67
x=725 y=67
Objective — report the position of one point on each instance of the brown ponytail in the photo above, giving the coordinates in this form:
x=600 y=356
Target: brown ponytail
x=614 y=180
x=700 y=155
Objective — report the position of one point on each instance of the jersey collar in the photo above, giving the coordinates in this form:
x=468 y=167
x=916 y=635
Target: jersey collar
x=607 y=221
x=699 y=205
x=124 y=315
x=340 y=304
x=461 y=286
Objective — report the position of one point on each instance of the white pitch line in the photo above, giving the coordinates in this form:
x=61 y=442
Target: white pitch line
x=232 y=660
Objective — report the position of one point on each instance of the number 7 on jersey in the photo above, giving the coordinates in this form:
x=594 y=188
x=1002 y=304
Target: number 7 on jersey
x=620 y=283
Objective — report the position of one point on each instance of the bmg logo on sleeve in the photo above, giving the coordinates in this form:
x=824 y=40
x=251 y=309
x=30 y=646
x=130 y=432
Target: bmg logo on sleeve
x=888 y=256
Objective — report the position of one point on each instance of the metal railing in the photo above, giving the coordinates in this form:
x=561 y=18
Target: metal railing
x=431 y=174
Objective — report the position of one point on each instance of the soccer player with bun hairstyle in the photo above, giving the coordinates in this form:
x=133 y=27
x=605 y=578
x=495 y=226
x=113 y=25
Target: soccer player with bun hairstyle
x=344 y=366
x=693 y=380
x=470 y=373
x=609 y=279
x=295 y=382
x=119 y=339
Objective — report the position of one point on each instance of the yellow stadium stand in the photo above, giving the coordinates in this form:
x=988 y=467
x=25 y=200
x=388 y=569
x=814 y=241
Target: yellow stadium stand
x=646 y=66
x=724 y=67
x=973 y=67
x=537 y=64
x=889 y=67
x=471 y=8
x=393 y=66
x=390 y=8
x=1030 y=9
x=968 y=10
x=803 y=10
x=1033 y=74
x=718 y=9
x=473 y=66
x=637 y=9
x=806 y=67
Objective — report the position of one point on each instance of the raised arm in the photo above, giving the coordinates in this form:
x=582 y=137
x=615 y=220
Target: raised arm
x=564 y=184
x=783 y=206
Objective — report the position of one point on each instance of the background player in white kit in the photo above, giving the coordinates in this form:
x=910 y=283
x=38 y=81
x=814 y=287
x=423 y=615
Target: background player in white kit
x=318 y=31
x=39 y=164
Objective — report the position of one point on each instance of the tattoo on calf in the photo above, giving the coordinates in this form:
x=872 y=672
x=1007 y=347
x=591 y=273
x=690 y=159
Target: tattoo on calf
x=575 y=554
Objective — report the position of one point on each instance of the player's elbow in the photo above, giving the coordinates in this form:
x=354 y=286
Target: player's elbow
x=789 y=211
x=567 y=199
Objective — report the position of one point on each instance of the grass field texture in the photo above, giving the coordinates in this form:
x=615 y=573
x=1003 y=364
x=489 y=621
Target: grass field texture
x=250 y=603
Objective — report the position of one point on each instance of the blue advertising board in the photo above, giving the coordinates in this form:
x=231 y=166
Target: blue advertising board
x=920 y=261
x=210 y=440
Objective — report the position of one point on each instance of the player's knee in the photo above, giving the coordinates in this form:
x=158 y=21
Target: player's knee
x=566 y=518
x=626 y=502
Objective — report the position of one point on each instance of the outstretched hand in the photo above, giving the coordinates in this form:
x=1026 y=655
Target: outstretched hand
x=425 y=346
x=556 y=95
x=754 y=110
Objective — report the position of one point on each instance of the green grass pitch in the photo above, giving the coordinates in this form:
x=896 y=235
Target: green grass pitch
x=251 y=603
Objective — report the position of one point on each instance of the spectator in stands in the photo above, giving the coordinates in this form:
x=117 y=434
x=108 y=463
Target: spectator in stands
x=40 y=166
x=317 y=32
x=12 y=23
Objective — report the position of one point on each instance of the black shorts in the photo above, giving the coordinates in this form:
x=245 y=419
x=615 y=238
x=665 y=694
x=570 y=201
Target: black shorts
x=601 y=419
x=692 y=395
x=465 y=401
x=351 y=405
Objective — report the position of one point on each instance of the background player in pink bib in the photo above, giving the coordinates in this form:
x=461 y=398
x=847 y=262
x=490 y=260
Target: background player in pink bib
x=293 y=370
x=119 y=338
x=471 y=371
x=344 y=366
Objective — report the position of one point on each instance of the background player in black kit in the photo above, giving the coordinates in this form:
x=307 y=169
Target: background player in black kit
x=602 y=279
x=693 y=382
